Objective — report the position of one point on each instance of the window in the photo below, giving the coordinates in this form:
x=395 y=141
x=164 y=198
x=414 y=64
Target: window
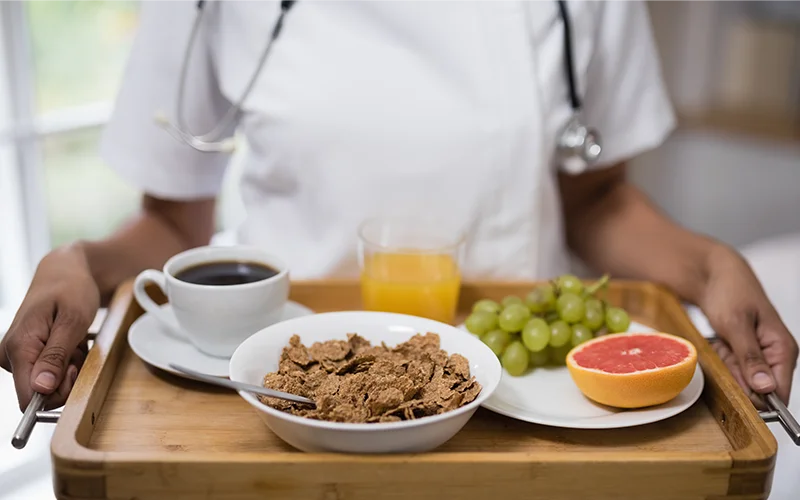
x=64 y=61
x=79 y=50
x=76 y=82
x=60 y=65
x=70 y=163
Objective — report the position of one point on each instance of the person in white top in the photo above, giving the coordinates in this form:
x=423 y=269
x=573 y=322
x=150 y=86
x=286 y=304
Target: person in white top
x=452 y=109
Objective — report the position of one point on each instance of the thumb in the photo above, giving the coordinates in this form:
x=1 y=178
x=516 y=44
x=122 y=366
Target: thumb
x=51 y=365
x=740 y=333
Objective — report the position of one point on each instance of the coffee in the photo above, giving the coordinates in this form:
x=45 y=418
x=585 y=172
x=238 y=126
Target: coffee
x=223 y=273
x=205 y=306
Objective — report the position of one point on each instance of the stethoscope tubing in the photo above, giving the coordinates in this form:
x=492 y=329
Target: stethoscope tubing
x=212 y=141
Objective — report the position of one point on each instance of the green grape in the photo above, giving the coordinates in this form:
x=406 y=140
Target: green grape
x=594 y=303
x=580 y=334
x=593 y=318
x=514 y=317
x=515 y=359
x=536 y=334
x=481 y=322
x=569 y=284
x=560 y=334
x=539 y=358
x=541 y=300
x=509 y=300
x=486 y=305
x=497 y=340
x=558 y=355
x=570 y=307
x=617 y=320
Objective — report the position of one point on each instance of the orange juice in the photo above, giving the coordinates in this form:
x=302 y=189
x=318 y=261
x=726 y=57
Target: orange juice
x=420 y=284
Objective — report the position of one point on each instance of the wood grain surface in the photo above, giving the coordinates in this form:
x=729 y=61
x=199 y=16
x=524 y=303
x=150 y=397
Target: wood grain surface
x=129 y=431
x=146 y=411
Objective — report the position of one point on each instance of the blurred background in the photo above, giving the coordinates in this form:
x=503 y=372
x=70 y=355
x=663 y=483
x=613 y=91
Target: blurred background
x=731 y=170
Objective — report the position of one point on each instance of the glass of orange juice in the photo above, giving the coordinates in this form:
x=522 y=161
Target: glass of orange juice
x=411 y=266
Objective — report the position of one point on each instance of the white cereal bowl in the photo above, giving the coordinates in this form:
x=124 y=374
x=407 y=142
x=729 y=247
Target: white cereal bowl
x=260 y=354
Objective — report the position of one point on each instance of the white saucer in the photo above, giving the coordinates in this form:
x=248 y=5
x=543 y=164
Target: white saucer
x=548 y=396
x=158 y=347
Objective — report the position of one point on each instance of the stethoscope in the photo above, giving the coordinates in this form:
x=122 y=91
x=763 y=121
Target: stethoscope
x=577 y=146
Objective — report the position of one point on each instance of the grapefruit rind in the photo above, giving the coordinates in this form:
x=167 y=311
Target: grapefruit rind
x=637 y=389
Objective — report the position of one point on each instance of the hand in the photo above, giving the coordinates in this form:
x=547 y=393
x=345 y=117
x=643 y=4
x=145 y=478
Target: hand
x=756 y=346
x=46 y=343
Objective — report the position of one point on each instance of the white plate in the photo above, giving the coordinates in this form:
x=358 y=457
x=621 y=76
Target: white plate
x=158 y=347
x=548 y=396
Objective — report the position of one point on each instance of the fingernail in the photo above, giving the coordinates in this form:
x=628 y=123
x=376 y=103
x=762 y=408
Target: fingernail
x=46 y=380
x=762 y=381
x=73 y=373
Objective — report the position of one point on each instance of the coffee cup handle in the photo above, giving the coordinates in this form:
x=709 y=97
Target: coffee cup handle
x=149 y=305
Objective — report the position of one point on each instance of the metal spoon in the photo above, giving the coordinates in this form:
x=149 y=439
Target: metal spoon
x=241 y=386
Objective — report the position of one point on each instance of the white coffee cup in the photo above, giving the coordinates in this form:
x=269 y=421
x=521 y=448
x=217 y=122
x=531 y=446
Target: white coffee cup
x=216 y=318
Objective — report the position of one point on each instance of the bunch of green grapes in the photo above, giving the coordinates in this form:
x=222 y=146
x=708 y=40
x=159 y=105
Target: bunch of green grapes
x=544 y=326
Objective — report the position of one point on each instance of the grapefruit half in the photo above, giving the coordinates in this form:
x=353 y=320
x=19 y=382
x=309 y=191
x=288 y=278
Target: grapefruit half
x=632 y=370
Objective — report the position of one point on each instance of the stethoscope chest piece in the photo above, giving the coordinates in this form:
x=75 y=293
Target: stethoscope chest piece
x=578 y=146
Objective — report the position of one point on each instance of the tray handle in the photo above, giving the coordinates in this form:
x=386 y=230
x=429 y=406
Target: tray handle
x=35 y=413
x=778 y=412
x=784 y=416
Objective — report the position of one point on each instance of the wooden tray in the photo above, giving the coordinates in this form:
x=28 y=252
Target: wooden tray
x=132 y=432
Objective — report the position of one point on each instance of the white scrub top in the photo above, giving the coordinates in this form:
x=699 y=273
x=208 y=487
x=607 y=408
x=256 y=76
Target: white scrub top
x=447 y=109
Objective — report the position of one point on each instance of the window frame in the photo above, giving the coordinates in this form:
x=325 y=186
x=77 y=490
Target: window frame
x=21 y=90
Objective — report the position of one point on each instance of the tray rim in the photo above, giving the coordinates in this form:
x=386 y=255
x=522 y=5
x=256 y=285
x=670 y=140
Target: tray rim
x=76 y=422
